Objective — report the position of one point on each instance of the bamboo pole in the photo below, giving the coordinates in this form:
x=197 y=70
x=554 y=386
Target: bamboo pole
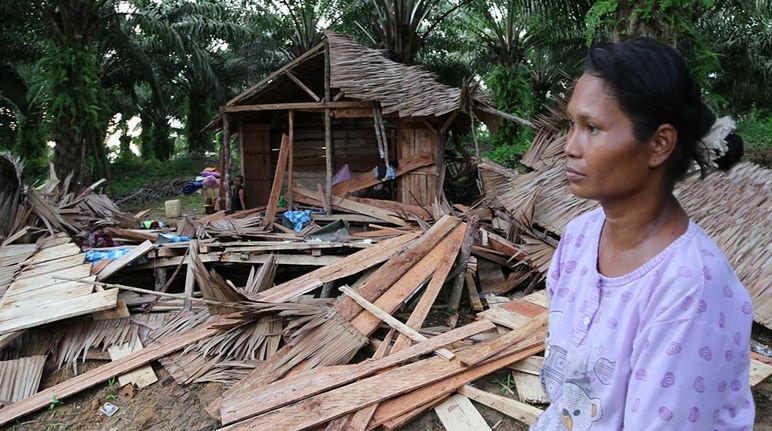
x=328 y=154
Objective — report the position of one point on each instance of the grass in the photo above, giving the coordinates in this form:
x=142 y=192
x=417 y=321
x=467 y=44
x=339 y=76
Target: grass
x=756 y=131
x=193 y=204
x=130 y=174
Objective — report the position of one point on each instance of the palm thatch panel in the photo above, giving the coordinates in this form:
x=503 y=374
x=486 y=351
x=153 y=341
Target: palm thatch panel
x=732 y=207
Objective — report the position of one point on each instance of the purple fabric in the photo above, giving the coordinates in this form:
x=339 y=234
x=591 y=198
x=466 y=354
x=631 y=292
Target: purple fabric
x=666 y=347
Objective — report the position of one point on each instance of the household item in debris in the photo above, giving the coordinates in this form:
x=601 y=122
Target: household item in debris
x=335 y=231
x=97 y=255
x=108 y=409
x=165 y=238
x=173 y=208
x=152 y=224
x=297 y=218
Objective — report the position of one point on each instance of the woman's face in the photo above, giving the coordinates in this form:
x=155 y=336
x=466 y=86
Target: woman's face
x=604 y=159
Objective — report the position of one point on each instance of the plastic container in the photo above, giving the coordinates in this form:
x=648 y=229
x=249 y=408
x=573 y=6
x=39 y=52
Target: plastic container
x=173 y=208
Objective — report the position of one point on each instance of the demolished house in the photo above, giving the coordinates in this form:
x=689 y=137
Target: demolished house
x=337 y=326
x=347 y=107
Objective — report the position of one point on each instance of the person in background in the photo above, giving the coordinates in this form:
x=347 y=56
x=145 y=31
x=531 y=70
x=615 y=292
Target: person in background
x=649 y=327
x=238 y=194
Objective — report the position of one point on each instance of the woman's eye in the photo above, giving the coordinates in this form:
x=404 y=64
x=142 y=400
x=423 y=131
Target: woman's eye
x=592 y=128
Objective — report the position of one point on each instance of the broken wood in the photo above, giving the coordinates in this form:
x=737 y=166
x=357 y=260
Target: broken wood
x=107 y=371
x=278 y=179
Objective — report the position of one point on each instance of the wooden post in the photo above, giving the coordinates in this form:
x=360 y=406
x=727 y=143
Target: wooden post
x=278 y=179
x=221 y=204
x=190 y=278
x=327 y=132
x=225 y=174
x=290 y=158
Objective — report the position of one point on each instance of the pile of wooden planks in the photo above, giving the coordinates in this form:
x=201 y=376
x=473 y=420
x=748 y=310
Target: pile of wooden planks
x=365 y=319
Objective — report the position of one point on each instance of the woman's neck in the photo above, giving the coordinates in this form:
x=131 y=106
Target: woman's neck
x=636 y=230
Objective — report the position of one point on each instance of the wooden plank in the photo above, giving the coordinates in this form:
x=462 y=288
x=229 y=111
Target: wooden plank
x=529 y=388
x=120 y=311
x=422 y=309
x=301 y=194
x=245 y=258
x=118 y=264
x=190 y=278
x=759 y=372
x=51 y=266
x=363 y=181
x=458 y=414
x=105 y=372
x=142 y=376
x=530 y=365
x=298 y=106
x=392 y=322
x=520 y=411
x=396 y=268
x=410 y=401
x=20 y=378
x=345 y=267
x=490 y=348
x=56 y=252
x=283 y=392
x=471 y=288
x=278 y=179
x=329 y=405
x=43 y=282
x=302 y=86
x=13 y=319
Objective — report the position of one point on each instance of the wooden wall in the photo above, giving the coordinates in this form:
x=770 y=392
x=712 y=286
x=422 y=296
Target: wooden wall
x=419 y=186
x=255 y=147
x=355 y=144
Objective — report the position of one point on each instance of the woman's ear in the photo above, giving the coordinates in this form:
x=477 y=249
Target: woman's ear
x=663 y=144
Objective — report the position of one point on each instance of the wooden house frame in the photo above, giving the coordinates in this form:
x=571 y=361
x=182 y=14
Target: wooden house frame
x=343 y=103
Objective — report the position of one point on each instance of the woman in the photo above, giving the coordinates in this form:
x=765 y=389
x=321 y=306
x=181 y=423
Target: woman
x=238 y=195
x=649 y=326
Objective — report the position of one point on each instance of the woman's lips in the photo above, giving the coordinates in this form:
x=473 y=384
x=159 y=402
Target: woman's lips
x=573 y=175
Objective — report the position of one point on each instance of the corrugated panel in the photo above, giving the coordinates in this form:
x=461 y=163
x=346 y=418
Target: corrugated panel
x=20 y=378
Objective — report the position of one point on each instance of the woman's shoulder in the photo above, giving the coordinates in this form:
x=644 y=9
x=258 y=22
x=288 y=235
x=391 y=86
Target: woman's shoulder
x=697 y=282
x=583 y=224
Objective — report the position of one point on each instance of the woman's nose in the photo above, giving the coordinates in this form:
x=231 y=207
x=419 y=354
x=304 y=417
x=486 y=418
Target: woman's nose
x=572 y=148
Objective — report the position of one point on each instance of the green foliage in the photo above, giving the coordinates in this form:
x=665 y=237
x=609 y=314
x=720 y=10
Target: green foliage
x=756 y=129
x=132 y=173
x=600 y=15
x=512 y=93
x=55 y=402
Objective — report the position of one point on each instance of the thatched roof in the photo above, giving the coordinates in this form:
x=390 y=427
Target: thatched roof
x=732 y=207
x=360 y=74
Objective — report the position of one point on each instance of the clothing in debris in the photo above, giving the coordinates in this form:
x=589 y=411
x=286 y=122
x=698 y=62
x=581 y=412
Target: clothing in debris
x=665 y=347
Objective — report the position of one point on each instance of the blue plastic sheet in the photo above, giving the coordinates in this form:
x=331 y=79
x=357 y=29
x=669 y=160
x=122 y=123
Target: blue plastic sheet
x=297 y=218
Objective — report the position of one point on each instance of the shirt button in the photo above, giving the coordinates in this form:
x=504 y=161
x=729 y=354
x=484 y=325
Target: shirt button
x=586 y=321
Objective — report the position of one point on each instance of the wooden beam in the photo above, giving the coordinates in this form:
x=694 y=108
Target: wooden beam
x=225 y=176
x=326 y=406
x=118 y=264
x=105 y=372
x=290 y=157
x=328 y=142
x=421 y=311
x=302 y=86
x=297 y=387
x=296 y=106
x=522 y=412
x=190 y=278
x=504 y=115
x=367 y=179
x=278 y=179
x=393 y=322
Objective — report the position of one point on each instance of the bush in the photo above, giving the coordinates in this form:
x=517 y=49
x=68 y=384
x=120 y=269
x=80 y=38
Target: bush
x=755 y=128
x=130 y=174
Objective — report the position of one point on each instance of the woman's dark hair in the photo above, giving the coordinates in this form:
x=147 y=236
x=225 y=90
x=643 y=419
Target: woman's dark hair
x=654 y=87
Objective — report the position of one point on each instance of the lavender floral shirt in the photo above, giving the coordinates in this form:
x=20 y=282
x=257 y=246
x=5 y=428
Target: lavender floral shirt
x=665 y=347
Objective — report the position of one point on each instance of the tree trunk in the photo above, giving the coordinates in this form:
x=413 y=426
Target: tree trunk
x=198 y=116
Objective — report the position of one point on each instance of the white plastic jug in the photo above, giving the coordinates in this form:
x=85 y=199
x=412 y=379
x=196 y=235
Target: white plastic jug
x=173 y=208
